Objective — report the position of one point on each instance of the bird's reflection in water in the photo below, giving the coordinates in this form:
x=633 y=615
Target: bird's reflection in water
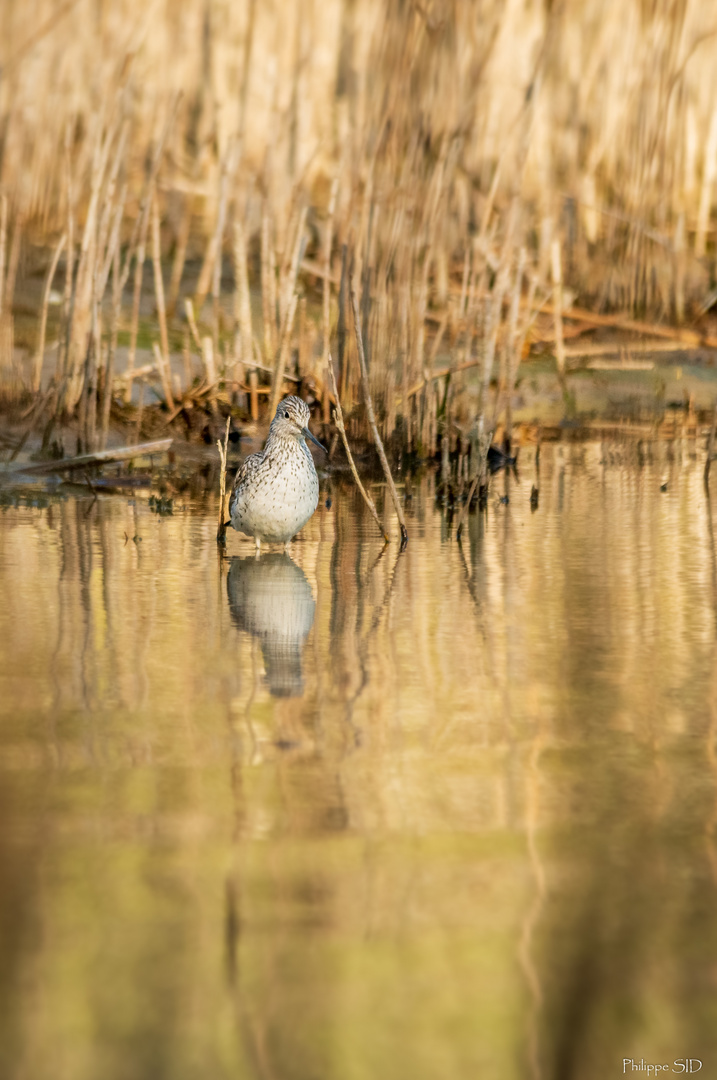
x=271 y=598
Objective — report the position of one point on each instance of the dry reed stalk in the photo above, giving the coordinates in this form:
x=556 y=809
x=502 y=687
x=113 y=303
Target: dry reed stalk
x=136 y=294
x=557 y=278
x=493 y=314
x=405 y=396
x=254 y=395
x=180 y=255
x=464 y=285
x=710 y=449
x=275 y=319
x=303 y=340
x=3 y=247
x=339 y=421
x=140 y=409
x=192 y=322
x=111 y=348
x=278 y=374
x=228 y=170
x=186 y=359
x=210 y=370
x=113 y=243
x=222 y=524
x=297 y=255
x=372 y=419
x=164 y=374
x=106 y=227
x=139 y=238
x=269 y=317
x=679 y=272
x=158 y=282
x=292 y=298
x=326 y=295
x=709 y=174
x=206 y=273
x=341 y=323
x=63 y=352
x=84 y=297
x=39 y=354
x=284 y=266
x=510 y=349
x=242 y=300
x=13 y=262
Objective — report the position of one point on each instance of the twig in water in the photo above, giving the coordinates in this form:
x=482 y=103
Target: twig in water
x=372 y=418
x=466 y=505
x=221 y=524
x=339 y=420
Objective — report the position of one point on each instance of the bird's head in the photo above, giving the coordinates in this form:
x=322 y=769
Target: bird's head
x=292 y=421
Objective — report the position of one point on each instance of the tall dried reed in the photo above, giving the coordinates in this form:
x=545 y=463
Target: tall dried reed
x=463 y=158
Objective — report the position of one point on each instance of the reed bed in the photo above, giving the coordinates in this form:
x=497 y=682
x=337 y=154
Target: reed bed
x=462 y=166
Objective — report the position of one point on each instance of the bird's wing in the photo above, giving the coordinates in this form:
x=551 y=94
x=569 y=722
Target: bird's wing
x=248 y=466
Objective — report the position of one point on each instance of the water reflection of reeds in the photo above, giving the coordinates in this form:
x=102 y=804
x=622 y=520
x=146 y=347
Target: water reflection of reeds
x=481 y=840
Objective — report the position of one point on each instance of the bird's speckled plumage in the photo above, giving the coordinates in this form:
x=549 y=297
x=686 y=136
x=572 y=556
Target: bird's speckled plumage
x=277 y=490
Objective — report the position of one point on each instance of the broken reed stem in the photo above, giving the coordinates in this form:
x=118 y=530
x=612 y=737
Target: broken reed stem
x=221 y=524
x=37 y=373
x=372 y=419
x=339 y=421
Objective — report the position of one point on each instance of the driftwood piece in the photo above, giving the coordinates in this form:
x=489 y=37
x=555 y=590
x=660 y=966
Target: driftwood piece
x=120 y=453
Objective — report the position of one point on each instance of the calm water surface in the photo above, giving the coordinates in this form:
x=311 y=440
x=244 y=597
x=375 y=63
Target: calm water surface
x=350 y=815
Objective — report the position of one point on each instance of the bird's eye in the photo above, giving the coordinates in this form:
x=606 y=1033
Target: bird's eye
x=286 y=416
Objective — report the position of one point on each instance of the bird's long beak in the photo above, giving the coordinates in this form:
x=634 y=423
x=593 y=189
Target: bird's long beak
x=307 y=435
